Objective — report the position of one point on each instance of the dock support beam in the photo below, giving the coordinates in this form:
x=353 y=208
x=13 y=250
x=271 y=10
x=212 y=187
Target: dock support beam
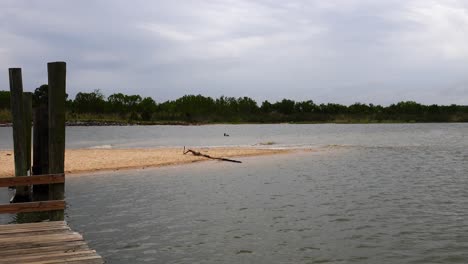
x=57 y=87
x=19 y=131
x=27 y=110
x=41 y=149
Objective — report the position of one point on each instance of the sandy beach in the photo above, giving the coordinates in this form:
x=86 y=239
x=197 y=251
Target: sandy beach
x=91 y=160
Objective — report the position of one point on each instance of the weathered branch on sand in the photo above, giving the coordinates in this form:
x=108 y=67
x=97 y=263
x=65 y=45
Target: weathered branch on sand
x=196 y=153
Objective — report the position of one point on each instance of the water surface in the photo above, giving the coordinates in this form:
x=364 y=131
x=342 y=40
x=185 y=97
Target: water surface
x=370 y=194
x=247 y=135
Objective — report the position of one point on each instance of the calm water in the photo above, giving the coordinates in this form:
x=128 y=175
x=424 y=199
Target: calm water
x=246 y=135
x=371 y=194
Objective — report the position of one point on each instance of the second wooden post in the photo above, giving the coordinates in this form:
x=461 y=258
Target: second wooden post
x=57 y=83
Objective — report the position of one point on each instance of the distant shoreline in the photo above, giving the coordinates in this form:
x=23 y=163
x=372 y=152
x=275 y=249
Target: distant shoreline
x=181 y=123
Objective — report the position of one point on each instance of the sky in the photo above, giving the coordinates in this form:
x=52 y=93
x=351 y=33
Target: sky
x=341 y=51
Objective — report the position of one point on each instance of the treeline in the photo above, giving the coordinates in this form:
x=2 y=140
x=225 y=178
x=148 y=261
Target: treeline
x=120 y=107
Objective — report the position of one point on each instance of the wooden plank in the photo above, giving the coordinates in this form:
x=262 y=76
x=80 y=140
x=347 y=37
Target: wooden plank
x=19 y=241
x=39 y=244
x=19 y=142
x=63 y=255
x=28 y=230
x=49 y=256
x=49 y=231
x=79 y=260
x=32 y=207
x=33 y=225
x=57 y=90
x=44 y=242
x=30 y=180
x=67 y=247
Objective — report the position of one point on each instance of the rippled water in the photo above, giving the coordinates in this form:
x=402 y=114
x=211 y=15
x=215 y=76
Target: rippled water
x=380 y=194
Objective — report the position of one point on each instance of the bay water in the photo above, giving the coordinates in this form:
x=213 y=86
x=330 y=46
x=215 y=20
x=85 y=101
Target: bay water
x=379 y=193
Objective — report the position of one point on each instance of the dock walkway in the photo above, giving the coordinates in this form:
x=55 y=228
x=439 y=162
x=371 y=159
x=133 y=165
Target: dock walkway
x=44 y=243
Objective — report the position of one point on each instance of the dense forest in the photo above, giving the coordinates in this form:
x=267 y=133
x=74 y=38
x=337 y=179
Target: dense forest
x=198 y=109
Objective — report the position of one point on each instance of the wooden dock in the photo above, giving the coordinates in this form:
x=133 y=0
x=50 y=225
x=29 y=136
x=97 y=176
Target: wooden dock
x=43 y=243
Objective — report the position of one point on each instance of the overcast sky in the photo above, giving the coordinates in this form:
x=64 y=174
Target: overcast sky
x=326 y=50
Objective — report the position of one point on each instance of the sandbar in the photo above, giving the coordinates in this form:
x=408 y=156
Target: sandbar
x=92 y=160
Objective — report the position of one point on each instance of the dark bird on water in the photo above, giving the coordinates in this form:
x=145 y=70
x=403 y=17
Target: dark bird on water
x=226 y=135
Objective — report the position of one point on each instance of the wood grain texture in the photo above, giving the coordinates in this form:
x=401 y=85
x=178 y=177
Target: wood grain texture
x=30 y=180
x=32 y=207
x=19 y=127
x=57 y=91
x=43 y=243
x=27 y=111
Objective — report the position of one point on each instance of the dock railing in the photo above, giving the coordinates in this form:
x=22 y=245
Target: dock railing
x=39 y=206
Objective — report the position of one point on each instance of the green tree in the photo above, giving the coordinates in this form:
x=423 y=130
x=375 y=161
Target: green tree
x=247 y=105
x=305 y=107
x=117 y=103
x=147 y=107
x=266 y=107
x=4 y=100
x=89 y=102
x=285 y=107
x=41 y=95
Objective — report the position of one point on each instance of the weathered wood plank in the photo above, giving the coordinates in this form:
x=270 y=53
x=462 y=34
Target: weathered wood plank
x=22 y=231
x=43 y=243
x=50 y=256
x=36 y=231
x=68 y=247
x=19 y=241
x=32 y=207
x=50 y=231
x=79 y=260
x=38 y=244
x=30 y=180
x=33 y=225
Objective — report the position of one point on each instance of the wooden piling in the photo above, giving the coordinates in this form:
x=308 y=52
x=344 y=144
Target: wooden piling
x=27 y=111
x=19 y=130
x=57 y=87
x=41 y=149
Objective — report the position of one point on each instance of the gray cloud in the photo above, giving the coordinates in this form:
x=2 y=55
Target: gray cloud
x=328 y=51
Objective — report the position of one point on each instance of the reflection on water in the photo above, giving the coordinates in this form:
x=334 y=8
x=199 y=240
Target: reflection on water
x=368 y=203
x=33 y=217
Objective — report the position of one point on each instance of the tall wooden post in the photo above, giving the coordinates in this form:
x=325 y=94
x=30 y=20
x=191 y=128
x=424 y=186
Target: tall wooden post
x=27 y=111
x=57 y=79
x=19 y=130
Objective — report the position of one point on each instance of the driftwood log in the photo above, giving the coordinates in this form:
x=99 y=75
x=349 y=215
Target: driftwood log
x=196 y=153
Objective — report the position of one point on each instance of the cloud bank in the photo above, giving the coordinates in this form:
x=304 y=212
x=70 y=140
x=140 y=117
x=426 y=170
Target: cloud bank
x=342 y=51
